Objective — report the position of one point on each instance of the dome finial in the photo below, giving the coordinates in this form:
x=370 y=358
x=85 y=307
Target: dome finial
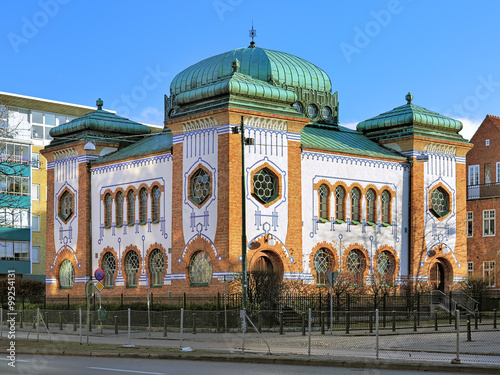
x=253 y=34
x=409 y=98
x=99 y=103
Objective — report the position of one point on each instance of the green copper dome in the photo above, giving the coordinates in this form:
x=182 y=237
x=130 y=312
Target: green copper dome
x=410 y=115
x=100 y=121
x=272 y=67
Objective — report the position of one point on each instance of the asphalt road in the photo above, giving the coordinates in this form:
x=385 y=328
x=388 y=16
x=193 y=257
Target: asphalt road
x=54 y=365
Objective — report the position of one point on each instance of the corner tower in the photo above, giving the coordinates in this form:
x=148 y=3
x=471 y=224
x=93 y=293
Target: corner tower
x=437 y=197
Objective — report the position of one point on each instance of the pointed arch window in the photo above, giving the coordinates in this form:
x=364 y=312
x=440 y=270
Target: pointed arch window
x=355 y=206
x=386 y=207
x=155 y=205
x=130 y=207
x=109 y=268
x=143 y=206
x=107 y=210
x=339 y=203
x=371 y=215
x=200 y=269
x=324 y=194
x=66 y=274
x=323 y=262
x=119 y=209
x=156 y=265
x=132 y=268
x=385 y=267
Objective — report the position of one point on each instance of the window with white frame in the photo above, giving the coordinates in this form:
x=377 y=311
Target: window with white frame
x=470 y=224
x=35 y=223
x=487 y=142
x=470 y=269
x=35 y=192
x=473 y=175
x=488 y=222
x=489 y=272
x=35 y=254
x=35 y=160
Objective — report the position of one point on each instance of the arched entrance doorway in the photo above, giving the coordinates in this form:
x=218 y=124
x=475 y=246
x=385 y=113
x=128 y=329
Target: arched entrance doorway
x=265 y=282
x=441 y=274
x=266 y=261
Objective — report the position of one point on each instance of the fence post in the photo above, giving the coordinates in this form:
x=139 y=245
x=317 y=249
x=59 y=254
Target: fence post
x=309 y=344
x=217 y=314
x=259 y=320
x=449 y=308
x=37 y=323
x=435 y=320
x=116 y=324
x=418 y=308
x=182 y=326
x=129 y=323
x=370 y=321
x=415 y=320
x=80 y=326
x=164 y=326
x=22 y=315
x=322 y=322
x=1 y=321
x=393 y=321
x=281 y=322
x=46 y=319
x=74 y=322
x=469 y=336
x=121 y=301
x=347 y=321
x=384 y=306
x=476 y=316
x=194 y=323
x=184 y=300
x=303 y=323
x=376 y=332
x=457 y=320
x=60 y=321
x=494 y=318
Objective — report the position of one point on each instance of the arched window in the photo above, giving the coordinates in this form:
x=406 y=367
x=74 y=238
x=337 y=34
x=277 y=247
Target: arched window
x=385 y=267
x=143 y=206
x=107 y=210
x=155 y=205
x=132 y=267
x=119 y=209
x=355 y=265
x=371 y=215
x=323 y=262
x=265 y=186
x=339 y=203
x=109 y=268
x=324 y=208
x=200 y=269
x=66 y=274
x=130 y=207
x=355 y=206
x=386 y=207
x=156 y=264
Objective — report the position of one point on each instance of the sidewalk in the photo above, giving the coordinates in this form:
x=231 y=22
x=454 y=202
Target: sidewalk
x=328 y=350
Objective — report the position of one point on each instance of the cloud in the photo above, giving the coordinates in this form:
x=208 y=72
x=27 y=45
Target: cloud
x=350 y=125
x=151 y=116
x=470 y=126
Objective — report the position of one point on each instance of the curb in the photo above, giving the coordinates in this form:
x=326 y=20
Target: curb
x=380 y=364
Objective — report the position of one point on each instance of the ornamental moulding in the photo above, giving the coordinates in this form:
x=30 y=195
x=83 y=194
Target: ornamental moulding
x=199 y=124
x=441 y=149
x=266 y=123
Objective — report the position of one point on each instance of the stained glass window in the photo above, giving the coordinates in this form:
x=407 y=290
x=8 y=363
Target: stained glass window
x=66 y=274
x=355 y=265
x=109 y=268
x=200 y=268
x=107 y=211
x=143 y=205
x=265 y=186
x=119 y=208
x=370 y=206
x=156 y=264
x=386 y=207
x=355 y=195
x=156 y=193
x=130 y=207
x=324 y=192
x=339 y=203
x=66 y=205
x=322 y=264
x=132 y=267
x=200 y=186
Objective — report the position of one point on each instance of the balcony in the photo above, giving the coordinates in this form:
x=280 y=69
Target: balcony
x=483 y=191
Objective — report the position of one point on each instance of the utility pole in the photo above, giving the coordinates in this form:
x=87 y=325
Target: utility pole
x=243 y=221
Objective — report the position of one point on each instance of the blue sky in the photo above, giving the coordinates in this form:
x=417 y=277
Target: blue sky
x=127 y=52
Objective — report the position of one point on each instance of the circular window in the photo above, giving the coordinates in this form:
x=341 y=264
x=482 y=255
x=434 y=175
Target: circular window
x=326 y=113
x=312 y=111
x=265 y=186
x=440 y=202
x=298 y=107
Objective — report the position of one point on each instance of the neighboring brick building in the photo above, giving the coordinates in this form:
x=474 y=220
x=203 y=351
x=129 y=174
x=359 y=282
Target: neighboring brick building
x=166 y=209
x=483 y=202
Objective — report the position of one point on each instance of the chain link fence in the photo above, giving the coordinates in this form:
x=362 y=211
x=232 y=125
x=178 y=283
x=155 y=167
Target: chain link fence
x=400 y=335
